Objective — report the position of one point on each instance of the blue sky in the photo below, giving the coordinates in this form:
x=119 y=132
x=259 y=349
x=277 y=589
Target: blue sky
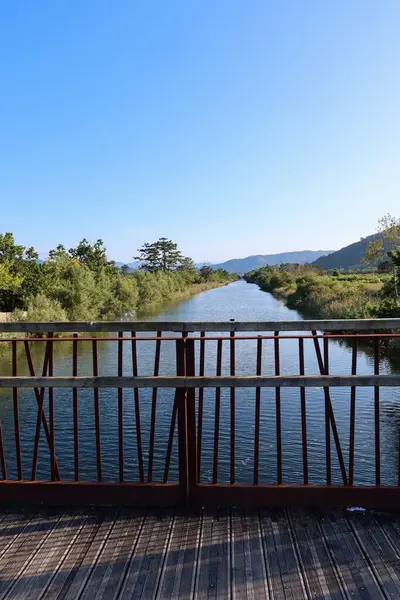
x=233 y=127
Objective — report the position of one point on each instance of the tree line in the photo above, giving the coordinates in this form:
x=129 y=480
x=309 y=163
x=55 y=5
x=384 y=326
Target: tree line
x=83 y=284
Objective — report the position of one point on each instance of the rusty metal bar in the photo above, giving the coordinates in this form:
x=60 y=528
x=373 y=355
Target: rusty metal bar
x=40 y=402
x=41 y=416
x=137 y=409
x=170 y=438
x=201 y=404
x=51 y=414
x=75 y=406
x=120 y=411
x=278 y=412
x=154 y=410
x=16 y=413
x=352 y=412
x=97 y=412
x=331 y=415
x=303 y=415
x=182 y=420
x=257 y=415
x=232 y=407
x=217 y=413
x=2 y=456
x=377 y=415
x=191 y=417
x=327 y=419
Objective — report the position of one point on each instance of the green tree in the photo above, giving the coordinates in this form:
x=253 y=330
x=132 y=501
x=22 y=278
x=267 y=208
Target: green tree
x=125 y=269
x=162 y=255
x=387 y=247
x=206 y=272
x=94 y=256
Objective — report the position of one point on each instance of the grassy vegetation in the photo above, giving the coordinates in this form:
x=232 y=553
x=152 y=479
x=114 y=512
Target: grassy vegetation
x=314 y=293
x=82 y=284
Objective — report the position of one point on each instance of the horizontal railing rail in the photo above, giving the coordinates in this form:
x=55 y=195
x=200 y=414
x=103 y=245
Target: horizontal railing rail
x=211 y=326
x=170 y=468
x=243 y=381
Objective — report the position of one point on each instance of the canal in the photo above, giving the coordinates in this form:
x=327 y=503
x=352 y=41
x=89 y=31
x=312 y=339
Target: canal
x=243 y=302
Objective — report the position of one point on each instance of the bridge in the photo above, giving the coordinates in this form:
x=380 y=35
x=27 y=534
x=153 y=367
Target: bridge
x=165 y=528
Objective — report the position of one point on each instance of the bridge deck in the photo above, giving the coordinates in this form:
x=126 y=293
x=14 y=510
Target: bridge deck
x=124 y=553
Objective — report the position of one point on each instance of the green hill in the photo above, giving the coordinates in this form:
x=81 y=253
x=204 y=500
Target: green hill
x=347 y=257
x=244 y=265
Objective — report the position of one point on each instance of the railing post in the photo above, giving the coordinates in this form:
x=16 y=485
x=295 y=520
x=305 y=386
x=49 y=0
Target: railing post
x=191 y=420
x=182 y=420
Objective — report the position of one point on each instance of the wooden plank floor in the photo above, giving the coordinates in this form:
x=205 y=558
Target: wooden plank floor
x=228 y=554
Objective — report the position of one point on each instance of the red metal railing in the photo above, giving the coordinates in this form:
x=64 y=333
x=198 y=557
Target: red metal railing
x=189 y=383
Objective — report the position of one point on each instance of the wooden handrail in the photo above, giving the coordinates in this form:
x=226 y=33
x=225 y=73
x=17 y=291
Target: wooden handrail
x=242 y=381
x=210 y=326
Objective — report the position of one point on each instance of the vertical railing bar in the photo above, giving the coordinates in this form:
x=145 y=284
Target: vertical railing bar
x=154 y=409
x=352 y=411
x=16 y=412
x=40 y=415
x=137 y=409
x=180 y=396
x=330 y=410
x=75 y=406
x=96 y=398
x=303 y=414
x=257 y=414
x=51 y=409
x=232 y=408
x=2 y=456
x=170 y=438
x=191 y=416
x=120 y=409
x=327 y=417
x=201 y=404
x=39 y=394
x=376 y=414
x=177 y=399
x=217 y=413
x=278 y=411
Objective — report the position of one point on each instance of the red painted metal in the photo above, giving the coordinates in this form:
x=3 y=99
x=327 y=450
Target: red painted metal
x=137 y=409
x=40 y=416
x=182 y=421
x=154 y=409
x=331 y=415
x=327 y=418
x=303 y=415
x=97 y=412
x=51 y=415
x=278 y=412
x=232 y=407
x=257 y=414
x=120 y=411
x=39 y=394
x=75 y=406
x=190 y=371
x=2 y=456
x=377 y=415
x=217 y=413
x=16 y=412
x=81 y=493
x=190 y=435
x=201 y=404
x=352 y=412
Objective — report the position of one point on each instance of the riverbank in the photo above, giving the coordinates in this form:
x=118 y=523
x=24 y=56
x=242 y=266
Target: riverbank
x=321 y=296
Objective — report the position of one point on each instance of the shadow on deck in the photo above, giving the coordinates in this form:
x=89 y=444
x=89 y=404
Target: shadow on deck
x=124 y=553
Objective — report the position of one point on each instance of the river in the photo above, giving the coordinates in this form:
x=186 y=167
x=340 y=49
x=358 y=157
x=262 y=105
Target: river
x=240 y=301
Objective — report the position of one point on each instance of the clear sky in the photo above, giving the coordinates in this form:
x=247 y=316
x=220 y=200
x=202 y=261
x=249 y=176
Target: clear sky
x=233 y=127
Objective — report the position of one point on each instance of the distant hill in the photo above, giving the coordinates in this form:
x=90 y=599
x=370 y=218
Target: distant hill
x=244 y=265
x=347 y=257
